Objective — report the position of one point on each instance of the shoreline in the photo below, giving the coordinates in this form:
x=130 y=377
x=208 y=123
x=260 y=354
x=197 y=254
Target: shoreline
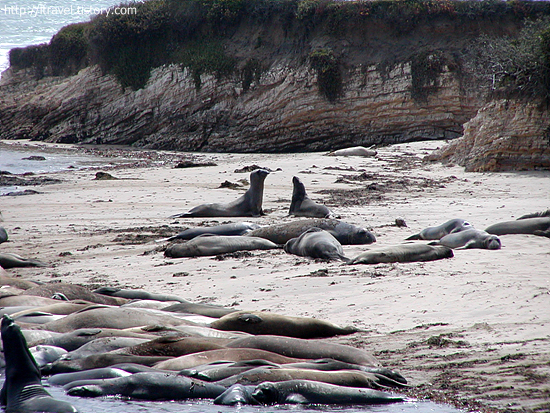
x=468 y=331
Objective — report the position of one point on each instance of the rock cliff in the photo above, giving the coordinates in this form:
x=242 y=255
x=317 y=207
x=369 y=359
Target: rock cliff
x=504 y=135
x=379 y=83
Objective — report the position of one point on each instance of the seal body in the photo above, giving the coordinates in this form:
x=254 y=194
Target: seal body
x=316 y=243
x=314 y=392
x=147 y=386
x=3 y=235
x=438 y=232
x=307 y=349
x=346 y=234
x=354 y=151
x=302 y=206
x=403 y=253
x=23 y=391
x=10 y=260
x=248 y=205
x=536 y=214
x=520 y=226
x=257 y=322
x=206 y=245
x=235 y=228
x=470 y=238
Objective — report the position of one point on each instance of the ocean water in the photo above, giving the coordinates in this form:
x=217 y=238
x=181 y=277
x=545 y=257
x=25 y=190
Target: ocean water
x=31 y=22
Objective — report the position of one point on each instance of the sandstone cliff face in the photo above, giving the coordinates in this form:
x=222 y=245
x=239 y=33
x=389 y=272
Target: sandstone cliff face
x=504 y=135
x=283 y=111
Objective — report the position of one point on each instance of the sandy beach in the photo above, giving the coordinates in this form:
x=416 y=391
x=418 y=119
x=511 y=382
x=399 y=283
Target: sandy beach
x=472 y=330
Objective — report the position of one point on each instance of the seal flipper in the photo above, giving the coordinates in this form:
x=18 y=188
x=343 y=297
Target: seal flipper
x=414 y=237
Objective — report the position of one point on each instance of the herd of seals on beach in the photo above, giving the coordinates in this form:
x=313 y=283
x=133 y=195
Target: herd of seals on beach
x=150 y=346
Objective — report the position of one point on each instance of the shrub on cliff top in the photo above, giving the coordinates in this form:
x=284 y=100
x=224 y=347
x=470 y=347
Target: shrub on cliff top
x=517 y=66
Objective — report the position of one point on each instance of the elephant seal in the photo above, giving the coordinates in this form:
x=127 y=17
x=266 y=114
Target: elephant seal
x=220 y=370
x=257 y=322
x=22 y=391
x=207 y=245
x=44 y=354
x=302 y=206
x=306 y=349
x=173 y=346
x=346 y=234
x=248 y=205
x=110 y=317
x=229 y=354
x=3 y=235
x=438 y=232
x=75 y=339
x=103 y=345
x=147 y=386
x=235 y=228
x=198 y=308
x=237 y=394
x=99 y=360
x=74 y=292
x=403 y=253
x=316 y=243
x=136 y=294
x=520 y=226
x=539 y=214
x=348 y=378
x=10 y=260
x=62 y=379
x=354 y=151
x=470 y=238
x=314 y=392
x=6 y=280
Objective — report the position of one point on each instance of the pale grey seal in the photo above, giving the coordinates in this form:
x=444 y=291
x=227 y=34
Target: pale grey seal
x=207 y=245
x=316 y=243
x=302 y=206
x=23 y=391
x=470 y=238
x=354 y=151
x=248 y=205
x=346 y=234
x=403 y=253
x=438 y=232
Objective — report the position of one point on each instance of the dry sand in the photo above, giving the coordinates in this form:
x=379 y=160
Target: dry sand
x=472 y=330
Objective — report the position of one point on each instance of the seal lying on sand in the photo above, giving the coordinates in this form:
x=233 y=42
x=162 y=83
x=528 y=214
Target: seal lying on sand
x=536 y=226
x=438 y=232
x=353 y=151
x=206 y=245
x=346 y=234
x=314 y=392
x=23 y=391
x=403 y=253
x=235 y=228
x=316 y=243
x=302 y=206
x=248 y=205
x=147 y=386
x=9 y=260
x=3 y=235
x=470 y=238
x=539 y=214
x=257 y=322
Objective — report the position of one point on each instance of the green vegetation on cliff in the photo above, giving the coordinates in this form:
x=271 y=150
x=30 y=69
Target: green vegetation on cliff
x=202 y=35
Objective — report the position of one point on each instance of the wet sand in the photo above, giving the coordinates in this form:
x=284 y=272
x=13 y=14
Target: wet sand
x=472 y=330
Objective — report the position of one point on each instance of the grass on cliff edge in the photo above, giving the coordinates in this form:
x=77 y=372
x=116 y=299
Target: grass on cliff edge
x=194 y=33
